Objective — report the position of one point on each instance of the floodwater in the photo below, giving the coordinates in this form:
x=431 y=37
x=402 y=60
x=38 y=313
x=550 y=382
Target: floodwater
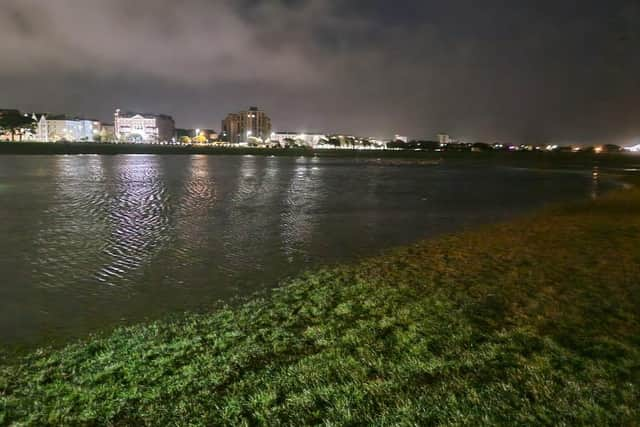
x=88 y=242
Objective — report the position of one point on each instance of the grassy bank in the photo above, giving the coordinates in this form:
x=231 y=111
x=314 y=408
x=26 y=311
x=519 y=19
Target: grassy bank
x=531 y=322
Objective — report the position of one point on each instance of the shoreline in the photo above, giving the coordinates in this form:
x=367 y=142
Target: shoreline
x=606 y=162
x=29 y=147
x=529 y=321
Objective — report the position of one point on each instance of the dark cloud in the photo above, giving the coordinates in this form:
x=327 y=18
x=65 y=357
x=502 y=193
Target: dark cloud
x=524 y=71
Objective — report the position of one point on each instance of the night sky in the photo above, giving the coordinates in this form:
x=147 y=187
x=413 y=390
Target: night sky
x=514 y=71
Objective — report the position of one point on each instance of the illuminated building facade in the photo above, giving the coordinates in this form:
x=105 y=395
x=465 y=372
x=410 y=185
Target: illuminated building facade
x=443 y=139
x=301 y=138
x=401 y=138
x=143 y=128
x=63 y=128
x=240 y=127
x=42 y=128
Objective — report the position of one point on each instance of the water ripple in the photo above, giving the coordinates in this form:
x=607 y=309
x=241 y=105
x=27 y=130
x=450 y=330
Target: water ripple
x=88 y=241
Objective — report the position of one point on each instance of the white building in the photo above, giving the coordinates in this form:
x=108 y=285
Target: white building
x=143 y=128
x=401 y=138
x=62 y=128
x=444 y=139
x=302 y=138
x=42 y=129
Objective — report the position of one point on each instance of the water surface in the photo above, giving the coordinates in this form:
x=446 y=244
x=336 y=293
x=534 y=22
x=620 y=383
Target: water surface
x=88 y=241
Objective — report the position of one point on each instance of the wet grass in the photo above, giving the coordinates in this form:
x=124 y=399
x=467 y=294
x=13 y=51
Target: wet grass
x=531 y=322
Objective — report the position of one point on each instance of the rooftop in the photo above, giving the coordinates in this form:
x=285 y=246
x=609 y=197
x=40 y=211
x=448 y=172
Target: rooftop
x=129 y=114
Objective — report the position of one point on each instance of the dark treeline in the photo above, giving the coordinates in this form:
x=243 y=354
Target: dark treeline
x=485 y=147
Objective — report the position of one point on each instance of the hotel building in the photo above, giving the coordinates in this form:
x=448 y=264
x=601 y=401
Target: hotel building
x=239 y=127
x=63 y=128
x=143 y=128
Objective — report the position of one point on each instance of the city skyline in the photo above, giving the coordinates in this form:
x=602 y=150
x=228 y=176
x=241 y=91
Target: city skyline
x=527 y=72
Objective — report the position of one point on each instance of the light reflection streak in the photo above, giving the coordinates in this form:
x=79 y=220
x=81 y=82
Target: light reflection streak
x=78 y=188
x=137 y=216
x=194 y=210
x=248 y=224
x=297 y=221
x=595 y=182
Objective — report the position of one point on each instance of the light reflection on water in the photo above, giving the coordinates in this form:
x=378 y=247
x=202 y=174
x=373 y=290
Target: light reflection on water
x=92 y=241
x=595 y=186
x=136 y=213
x=303 y=197
x=198 y=197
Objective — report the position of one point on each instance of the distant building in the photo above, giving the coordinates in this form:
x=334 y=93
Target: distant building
x=143 y=127
x=42 y=129
x=401 y=138
x=231 y=129
x=53 y=128
x=302 y=138
x=444 y=139
x=239 y=127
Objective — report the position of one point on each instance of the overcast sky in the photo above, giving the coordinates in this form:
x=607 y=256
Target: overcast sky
x=521 y=71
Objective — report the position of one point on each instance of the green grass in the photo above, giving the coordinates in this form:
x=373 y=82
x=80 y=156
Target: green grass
x=531 y=322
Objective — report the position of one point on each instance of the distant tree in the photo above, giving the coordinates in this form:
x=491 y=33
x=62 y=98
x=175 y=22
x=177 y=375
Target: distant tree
x=428 y=145
x=200 y=139
x=223 y=137
x=611 y=148
x=457 y=146
x=414 y=145
x=564 y=149
x=481 y=146
x=398 y=144
x=16 y=123
x=334 y=140
x=105 y=136
x=254 y=142
x=289 y=142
